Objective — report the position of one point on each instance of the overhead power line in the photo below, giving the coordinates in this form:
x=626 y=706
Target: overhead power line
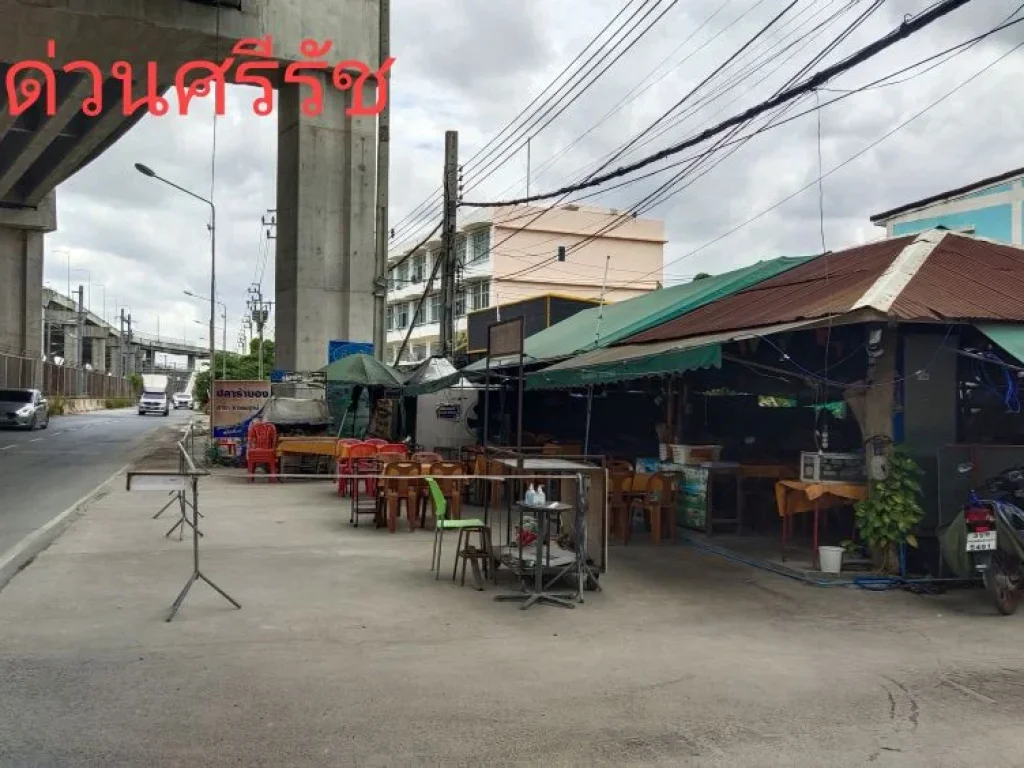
x=421 y=211
x=814 y=182
x=906 y=29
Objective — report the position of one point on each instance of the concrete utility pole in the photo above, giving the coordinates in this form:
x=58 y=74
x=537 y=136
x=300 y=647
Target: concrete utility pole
x=80 y=342
x=259 y=315
x=451 y=191
x=380 y=272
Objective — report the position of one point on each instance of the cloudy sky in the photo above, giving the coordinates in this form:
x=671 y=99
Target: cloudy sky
x=141 y=245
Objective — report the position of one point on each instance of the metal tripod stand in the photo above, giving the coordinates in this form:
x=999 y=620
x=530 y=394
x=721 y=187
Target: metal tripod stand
x=197 y=574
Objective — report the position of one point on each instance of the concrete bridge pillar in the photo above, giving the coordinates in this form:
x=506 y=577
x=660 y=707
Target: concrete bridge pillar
x=99 y=355
x=326 y=178
x=21 y=275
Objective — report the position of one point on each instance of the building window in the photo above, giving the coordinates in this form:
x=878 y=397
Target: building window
x=401 y=316
x=391 y=317
x=460 y=302
x=480 y=295
x=391 y=281
x=435 y=349
x=419 y=262
x=480 y=245
x=434 y=308
x=460 y=249
x=402 y=274
x=419 y=352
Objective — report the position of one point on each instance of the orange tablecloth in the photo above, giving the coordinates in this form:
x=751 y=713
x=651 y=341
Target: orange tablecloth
x=794 y=497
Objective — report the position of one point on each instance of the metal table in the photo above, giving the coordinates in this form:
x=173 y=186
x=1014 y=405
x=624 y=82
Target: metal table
x=537 y=594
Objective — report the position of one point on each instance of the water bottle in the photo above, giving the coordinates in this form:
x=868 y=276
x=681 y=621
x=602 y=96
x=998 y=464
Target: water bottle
x=541 y=499
x=531 y=496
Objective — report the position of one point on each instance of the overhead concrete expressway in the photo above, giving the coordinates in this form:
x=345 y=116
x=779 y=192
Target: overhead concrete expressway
x=326 y=175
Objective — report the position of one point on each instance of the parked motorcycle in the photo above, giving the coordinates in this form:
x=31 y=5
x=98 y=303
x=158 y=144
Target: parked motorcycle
x=987 y=537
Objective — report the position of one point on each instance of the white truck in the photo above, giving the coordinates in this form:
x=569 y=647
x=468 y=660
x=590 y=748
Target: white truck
x=154 y=395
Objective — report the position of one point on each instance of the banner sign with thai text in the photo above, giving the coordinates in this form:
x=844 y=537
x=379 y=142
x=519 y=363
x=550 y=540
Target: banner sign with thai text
x=235 y=404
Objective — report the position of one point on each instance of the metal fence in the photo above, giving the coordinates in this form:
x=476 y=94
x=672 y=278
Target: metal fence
x=63 y=380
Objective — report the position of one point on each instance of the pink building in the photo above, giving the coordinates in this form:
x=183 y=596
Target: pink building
x=513 y=255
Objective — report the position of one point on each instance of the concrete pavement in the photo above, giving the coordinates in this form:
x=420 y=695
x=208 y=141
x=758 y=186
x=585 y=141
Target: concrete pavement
x=347 y=652
x=44 y=472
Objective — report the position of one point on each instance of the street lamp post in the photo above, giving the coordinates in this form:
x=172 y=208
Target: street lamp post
x=224 y=339
x=147 y=171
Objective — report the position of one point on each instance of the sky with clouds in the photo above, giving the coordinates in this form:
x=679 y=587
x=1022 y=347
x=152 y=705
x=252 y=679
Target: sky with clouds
x=139 y=244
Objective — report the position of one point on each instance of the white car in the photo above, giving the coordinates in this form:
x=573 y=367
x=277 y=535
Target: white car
x=182 y=400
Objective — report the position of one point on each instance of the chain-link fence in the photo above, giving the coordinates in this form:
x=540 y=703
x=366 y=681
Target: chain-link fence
x=63 y=380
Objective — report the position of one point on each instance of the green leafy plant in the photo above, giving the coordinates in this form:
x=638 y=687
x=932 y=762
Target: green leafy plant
x=886 y=518
x=56 y=405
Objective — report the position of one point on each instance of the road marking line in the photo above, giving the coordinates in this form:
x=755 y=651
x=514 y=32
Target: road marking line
x=8 y=447
x=60 y=432
x=35 y=439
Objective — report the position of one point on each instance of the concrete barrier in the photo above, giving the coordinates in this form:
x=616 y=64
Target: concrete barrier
x=84 y=404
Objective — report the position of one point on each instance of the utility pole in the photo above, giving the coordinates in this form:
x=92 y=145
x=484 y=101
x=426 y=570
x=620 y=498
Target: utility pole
x=448 y=266
x=120 y=344
x=380 y=271
x=81 y=327
x=259 y=315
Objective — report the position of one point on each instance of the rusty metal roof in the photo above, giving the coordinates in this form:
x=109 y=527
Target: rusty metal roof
x=936 y=275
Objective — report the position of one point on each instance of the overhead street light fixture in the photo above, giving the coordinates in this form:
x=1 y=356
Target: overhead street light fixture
x=145 y=170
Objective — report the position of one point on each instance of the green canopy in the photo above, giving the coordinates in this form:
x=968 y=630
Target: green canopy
x=615 y=368
x=622 y=319
x=636 y=361
x=364 y=370
x=1009 y=336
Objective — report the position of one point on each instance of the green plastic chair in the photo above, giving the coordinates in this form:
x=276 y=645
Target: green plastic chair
x=443 y=524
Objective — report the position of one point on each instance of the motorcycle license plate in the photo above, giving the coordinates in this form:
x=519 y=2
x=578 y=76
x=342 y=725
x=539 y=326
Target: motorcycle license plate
x=981 y=542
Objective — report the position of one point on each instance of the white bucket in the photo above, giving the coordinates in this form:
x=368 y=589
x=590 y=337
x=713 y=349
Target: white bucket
x=831 y=559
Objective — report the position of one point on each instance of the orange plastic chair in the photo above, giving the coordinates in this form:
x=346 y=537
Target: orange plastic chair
x=356 y=452
x=402 y=484
x=261 y=449
x=344 y=463
x=400 y=449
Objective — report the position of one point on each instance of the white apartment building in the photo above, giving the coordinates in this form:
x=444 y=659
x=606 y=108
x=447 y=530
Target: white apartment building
x=512 y=256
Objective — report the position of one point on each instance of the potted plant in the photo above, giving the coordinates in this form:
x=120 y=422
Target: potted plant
x=886 y=518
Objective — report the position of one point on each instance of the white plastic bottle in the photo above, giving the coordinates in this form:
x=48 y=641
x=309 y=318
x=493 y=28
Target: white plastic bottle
x=541 y=499
x=531 y=496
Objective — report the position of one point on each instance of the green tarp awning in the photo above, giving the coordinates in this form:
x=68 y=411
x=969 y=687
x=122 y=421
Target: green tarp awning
x=636 y=361
x=1009 y=336
x=601 y=371
x=622 y=319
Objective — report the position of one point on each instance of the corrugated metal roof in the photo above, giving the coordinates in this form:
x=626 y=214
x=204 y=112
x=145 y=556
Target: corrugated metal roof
x=966 y=278
x=963 y=278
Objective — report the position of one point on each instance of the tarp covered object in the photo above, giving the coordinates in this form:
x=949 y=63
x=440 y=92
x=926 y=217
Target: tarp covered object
x=364 y=370
x=291 y=410
x=431 y=375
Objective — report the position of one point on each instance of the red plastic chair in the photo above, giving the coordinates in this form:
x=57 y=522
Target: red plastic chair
x=400 y=449
x=344 y=463
x=356 y=452
x=375 y=441
x=261 y=449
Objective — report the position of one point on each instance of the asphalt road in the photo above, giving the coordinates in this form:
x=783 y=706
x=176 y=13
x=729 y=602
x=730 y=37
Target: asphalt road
x=44 y=472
